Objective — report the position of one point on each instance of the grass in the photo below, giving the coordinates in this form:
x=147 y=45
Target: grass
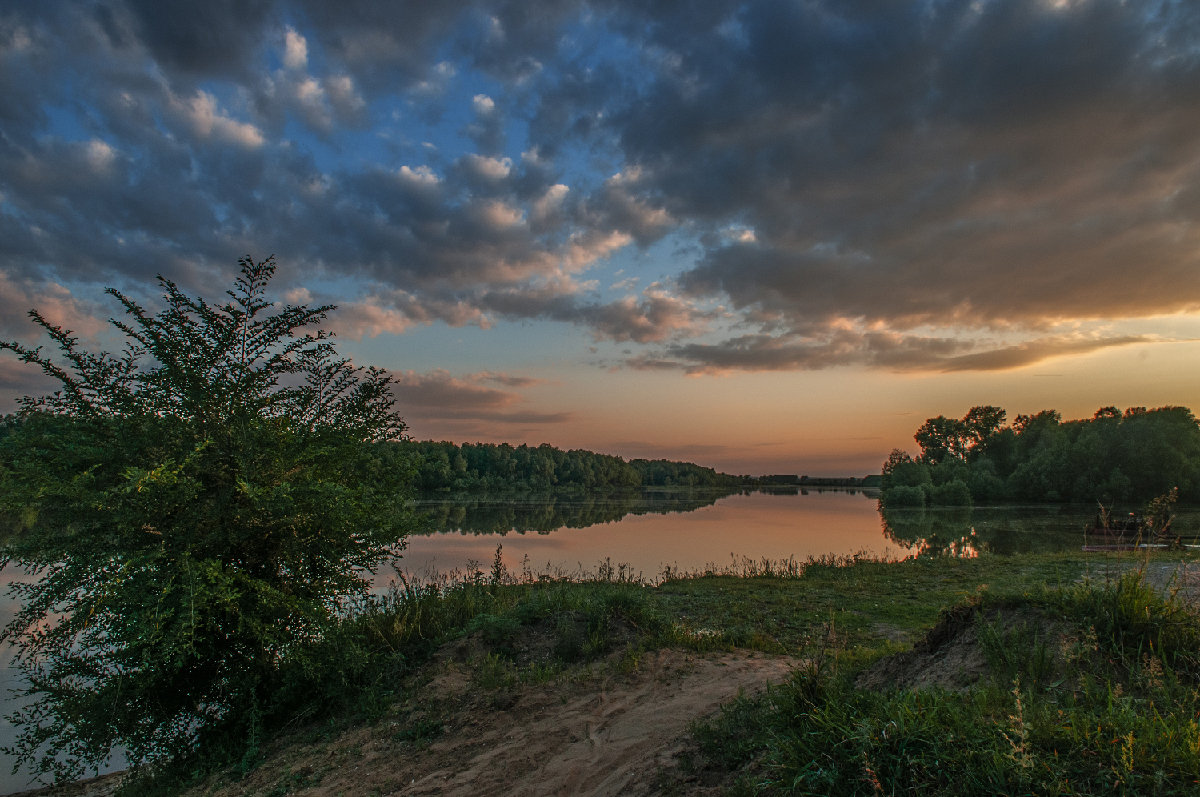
x=1093 y=692
x=865 y=601
x=1110 y=709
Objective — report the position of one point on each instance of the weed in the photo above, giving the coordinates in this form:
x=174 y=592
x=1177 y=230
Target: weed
x=493 y=672
x=420 y=732
x=498 y=633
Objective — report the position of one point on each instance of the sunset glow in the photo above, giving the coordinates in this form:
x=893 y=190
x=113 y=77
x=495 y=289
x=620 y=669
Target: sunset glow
x=765 y=237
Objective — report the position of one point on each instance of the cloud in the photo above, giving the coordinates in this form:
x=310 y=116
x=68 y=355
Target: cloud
x=841 y=177
x=394 y=312
x=483 y=104
x=55 y=303
x=508 y=380
x=217 y=38
x=973 y=165
x=886 y=350
x=488 y=168
x=202 y=115
x=295 y=50
x=439 y=396
x=655 y=316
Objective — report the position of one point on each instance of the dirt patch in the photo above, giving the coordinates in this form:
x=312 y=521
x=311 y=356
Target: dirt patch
x=103 y=786
x=1180 y=578
x=949 y=657
x=599 y=733
x=966 y=645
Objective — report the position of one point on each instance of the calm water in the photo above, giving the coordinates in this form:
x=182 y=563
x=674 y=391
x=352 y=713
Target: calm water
x=697 y=531
x=689 y=532
x=648 y=533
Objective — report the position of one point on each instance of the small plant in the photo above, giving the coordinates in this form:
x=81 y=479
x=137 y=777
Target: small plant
x=498 y=633
x=494 y=672
x=420 y=732
x=1157 y=518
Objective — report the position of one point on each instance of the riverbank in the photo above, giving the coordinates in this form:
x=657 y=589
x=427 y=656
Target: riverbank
x=565 y=687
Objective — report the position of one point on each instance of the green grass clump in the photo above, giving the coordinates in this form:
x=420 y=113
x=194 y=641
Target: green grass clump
x=1097 y=696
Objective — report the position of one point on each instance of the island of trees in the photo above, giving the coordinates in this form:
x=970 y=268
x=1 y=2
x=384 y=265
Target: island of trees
x=1112 y=457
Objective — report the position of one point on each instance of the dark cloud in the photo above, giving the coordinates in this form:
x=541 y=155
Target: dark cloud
x=962 y=165
x=891 y=351
x=654 y=317
x=214 y=38
x=439 y=396
x=508 y=380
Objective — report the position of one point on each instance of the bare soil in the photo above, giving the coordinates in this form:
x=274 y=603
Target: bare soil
x=598 y=733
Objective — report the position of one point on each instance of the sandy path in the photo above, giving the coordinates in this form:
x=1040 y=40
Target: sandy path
x=608 y=735
x=607 y=742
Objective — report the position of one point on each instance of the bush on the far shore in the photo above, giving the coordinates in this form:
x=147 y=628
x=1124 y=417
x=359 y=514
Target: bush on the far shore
x=904 y=496
x=952 y=493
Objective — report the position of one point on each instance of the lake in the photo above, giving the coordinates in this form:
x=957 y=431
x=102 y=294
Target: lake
x=696 y=531
x=683 y=530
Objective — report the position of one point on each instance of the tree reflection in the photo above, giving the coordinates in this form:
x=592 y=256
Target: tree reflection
x=544 y=513
x=933 y=532
x=1004 y=530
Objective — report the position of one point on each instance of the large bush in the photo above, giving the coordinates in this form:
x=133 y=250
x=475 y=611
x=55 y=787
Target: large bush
x=904 y=496
x=196 y=509
x=952 y=493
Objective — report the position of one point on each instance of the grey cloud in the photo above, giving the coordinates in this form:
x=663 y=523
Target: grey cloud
x=200 y=39
x=957 y=164
x=1033 y=352
x=890 y=351
x=654 y=317
x=508 y=380
x=437 y=395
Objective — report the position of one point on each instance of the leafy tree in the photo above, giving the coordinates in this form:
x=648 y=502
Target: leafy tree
x=981 y=423
x=1112 y=456
x=940 y=439
x=197 y=509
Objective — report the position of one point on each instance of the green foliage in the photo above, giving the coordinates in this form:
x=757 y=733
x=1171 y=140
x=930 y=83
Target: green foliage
x=1132 y=620
x=502 y=467
x=196 y=509
x=1112 y=457
x=901 y=470
x=904 y=496
x=952 y=493
x=1109 y=708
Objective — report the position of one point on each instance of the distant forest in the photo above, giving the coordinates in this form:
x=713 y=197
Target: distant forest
x=442 y=466
x=503 y=467
x=1115 y=456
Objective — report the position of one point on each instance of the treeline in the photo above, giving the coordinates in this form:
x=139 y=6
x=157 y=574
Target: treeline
x=503 y=467
x=1113 y=457
x=443 y=466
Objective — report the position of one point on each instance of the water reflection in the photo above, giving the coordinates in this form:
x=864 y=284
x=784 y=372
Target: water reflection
x=933 y=532
x=1002 y=530
x=544 y=513
x=650 y=531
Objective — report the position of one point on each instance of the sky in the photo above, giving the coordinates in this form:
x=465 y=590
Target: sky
x=768 y=237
